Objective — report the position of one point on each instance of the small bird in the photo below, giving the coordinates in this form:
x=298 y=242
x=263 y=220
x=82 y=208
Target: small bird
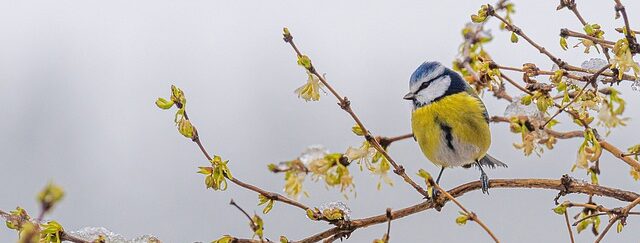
x=449 y=121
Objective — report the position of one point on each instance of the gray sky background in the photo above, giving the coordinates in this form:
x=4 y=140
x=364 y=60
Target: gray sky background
x=78 y=80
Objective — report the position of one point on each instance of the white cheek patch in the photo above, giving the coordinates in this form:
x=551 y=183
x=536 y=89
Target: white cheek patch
x=433 y=74
x=436 y=89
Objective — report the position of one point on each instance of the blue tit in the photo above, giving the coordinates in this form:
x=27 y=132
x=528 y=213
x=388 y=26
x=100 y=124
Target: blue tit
x=449 y=121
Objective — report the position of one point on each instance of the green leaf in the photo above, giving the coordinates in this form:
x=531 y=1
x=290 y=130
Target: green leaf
x=563 y=43
x=462 y=219
x=560 y=209
x=357 y=130
x=164 y=104
x=514 y=37
x=304 y=61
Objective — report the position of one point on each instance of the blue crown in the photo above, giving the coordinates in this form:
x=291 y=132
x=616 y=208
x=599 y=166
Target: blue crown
x=425 y=69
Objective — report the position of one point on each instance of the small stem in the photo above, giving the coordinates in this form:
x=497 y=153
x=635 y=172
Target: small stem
x=567 y=32
x=235 y=180
x=606 y=229
x=566 y=220
x=565 y=106
x=588 y=217
x=253 y=223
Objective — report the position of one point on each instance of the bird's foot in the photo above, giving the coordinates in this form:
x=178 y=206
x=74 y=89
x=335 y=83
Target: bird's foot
x=434 y=194
x=484 y=180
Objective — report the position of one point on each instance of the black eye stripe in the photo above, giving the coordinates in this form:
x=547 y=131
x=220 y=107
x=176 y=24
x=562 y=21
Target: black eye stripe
x=426 y=84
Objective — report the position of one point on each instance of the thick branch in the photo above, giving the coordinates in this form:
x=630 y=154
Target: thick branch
x=572 y=186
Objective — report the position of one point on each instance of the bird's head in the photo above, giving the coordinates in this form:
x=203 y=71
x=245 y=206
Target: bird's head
x=431 y=82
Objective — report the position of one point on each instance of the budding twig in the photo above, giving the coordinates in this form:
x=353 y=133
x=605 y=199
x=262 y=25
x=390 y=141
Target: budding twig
x=235 y=180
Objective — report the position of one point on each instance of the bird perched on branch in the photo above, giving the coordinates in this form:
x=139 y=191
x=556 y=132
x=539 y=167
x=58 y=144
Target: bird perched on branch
x=449 y=121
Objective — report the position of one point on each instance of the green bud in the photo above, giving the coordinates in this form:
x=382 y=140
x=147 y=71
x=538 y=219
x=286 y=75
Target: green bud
x=283 y=239
x=619 y=227
x=164 y=104
x=357 y=130
x=526 y=100
x=514 y=37
x=224 y=239
x=304 y=61
x=462 y=219
x=311 y=214
x=185 y=128
x=560 y=209
x=50 y=195
x=563 y=43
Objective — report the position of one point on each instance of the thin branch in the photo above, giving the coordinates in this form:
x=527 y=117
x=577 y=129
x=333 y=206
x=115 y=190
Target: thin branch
x=253 y=223
x=615 y=151
x=633 y=43
x=574 y=8
x=561 y=64
x=235 y=180
x=588 y=217
x=386 y=141
x=515 y=84
x=389 y=219
x=472 y=216
x=606 y=229
x=566 y=105
x=345 y=104
x=566 y=220
x=566 y=186
x=567 y=32
x=518 y=31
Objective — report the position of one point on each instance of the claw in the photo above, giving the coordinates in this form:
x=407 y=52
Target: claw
x=484 y=179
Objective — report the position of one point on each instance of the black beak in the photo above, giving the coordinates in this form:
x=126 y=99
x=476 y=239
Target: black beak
x=409 y=96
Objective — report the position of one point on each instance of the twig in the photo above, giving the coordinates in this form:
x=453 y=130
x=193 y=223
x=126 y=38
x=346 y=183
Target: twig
x=389 y=219
x=518 y=31
x=566 y=220
x=633 y=43
x=565 y=106
x=588 y=217
x=606 y=229
x=235 y=180
x=567 y=32
x=253 y=223
x=345 y=104
x=561 y=64
x=386 y=141
x=604 y=144
x=472 y=216
x=515 y=84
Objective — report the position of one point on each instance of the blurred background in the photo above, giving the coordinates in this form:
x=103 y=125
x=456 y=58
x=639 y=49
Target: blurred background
x=78 y=81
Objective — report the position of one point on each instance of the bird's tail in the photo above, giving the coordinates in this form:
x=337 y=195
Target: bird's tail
x=491 y=162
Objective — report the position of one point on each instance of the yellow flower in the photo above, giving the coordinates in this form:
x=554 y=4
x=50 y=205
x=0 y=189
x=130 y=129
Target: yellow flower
x=310 y=90
x=319 y=167
x=293 y=183
x=635 y=174
x=623 y=60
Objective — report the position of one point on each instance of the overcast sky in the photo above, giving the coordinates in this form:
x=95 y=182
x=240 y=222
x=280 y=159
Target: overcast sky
x=78 y=80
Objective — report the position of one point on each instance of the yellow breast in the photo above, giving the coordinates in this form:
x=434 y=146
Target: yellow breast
x=461 y=116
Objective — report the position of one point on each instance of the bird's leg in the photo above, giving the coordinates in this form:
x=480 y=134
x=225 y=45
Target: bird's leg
x=435 y=192
x=484 y=179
